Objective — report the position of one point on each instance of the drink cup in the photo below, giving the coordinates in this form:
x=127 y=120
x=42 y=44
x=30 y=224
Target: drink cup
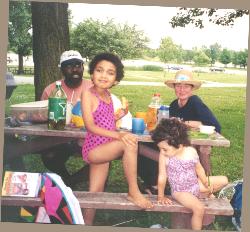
x=141 y=115
x=68 y=113
x=138 y=126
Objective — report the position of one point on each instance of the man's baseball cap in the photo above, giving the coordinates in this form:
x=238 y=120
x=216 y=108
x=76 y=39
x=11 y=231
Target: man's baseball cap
x=69 y=57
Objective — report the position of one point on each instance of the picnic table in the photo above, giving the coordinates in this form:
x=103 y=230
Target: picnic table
x=42 y=138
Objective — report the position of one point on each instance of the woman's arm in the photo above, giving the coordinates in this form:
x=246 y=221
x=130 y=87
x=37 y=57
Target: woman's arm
x=205 y=114
x=193 y=124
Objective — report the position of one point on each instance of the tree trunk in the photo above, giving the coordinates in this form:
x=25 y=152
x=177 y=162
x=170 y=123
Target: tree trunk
x=50 y=39
x=20 y=64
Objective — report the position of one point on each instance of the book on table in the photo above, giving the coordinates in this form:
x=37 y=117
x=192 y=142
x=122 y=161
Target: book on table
x=23 y=184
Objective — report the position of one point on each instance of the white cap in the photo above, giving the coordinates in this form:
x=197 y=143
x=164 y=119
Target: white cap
x=58 y=83
x=70 y=55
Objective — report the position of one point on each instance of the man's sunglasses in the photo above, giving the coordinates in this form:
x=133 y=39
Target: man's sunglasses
x=73 y=65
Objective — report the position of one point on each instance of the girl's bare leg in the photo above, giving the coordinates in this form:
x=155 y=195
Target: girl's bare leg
x=192 y=202
x=218 y=182
x=97 y=178
x=130 y=171
x=114 y=150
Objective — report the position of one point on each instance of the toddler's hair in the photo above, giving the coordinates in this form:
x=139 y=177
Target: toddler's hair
x=114 y=59
x=173 y=131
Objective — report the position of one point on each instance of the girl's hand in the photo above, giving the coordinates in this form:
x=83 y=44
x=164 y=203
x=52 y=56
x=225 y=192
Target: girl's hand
x=128 y=138
x=163 y=200
x=120 y=113
x=208 y=184
x=211 y=188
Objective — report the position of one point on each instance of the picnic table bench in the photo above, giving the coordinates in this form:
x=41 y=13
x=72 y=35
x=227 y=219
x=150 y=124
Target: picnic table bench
x=118 y=201
x=44 y=138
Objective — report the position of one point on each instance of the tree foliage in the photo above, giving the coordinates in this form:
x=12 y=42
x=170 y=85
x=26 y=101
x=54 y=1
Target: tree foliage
x=225 y=57
x=213 y=52
x=240 y=58
x=200 y=58
x=92 y=36
x=196 y=17
x=169 y=51
x=188 y=55
x=20 y=38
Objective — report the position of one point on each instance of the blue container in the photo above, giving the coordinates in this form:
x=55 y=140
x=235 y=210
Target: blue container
x=138 y=126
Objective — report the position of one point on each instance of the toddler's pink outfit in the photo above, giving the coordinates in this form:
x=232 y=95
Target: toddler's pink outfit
x=182 y=176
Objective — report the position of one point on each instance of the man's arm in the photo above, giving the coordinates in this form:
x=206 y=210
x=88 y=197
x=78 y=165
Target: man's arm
x=47 y=91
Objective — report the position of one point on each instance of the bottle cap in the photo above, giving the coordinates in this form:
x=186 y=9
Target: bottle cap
x=157 y=94
x=58 y=83
x=163 y=107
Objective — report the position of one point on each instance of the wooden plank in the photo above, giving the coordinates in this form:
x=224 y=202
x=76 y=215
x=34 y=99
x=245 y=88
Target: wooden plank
x=118 y=201
x=14 y=147
x=41 y=129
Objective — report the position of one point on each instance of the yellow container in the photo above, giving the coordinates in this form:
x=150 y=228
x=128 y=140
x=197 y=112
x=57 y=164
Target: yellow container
x=151 y=118
x=141 y=115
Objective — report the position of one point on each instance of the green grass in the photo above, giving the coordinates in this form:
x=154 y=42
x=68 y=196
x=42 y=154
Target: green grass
x=150 y=76
x=228 y=104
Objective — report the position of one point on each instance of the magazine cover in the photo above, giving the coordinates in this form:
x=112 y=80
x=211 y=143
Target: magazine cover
x=23 y=184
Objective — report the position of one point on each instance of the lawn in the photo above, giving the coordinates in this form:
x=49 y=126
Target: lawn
x=228 y=104
x=160 y=76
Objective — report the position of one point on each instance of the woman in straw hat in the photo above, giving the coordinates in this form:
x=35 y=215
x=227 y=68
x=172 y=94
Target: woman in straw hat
x=187 y=107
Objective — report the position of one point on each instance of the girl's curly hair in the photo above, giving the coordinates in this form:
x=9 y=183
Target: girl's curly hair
x=173 y=131
x=114 y=59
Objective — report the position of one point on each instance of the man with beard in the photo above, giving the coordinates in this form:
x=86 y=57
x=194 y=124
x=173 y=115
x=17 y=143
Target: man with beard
x=71 y=65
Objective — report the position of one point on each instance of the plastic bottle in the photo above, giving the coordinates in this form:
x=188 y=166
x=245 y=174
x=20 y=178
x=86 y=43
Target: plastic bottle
x=57 y=108
x=163 y=112
x=153 y=111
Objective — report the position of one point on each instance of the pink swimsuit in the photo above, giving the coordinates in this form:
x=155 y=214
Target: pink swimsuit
x=103 y=117
x=182 y=176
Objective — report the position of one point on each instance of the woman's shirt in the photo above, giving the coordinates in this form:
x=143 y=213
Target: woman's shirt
x=194 y=110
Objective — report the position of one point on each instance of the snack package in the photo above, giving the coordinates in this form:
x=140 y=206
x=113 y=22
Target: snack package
x=76 y=117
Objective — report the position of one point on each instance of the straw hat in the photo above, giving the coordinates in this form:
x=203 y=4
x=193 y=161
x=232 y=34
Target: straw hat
x=183 y=77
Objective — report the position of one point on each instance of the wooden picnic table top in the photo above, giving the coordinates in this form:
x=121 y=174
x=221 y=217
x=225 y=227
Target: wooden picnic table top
x=41 y=130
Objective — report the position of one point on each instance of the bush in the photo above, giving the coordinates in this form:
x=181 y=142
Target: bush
x=133 y=68
x=152 y=68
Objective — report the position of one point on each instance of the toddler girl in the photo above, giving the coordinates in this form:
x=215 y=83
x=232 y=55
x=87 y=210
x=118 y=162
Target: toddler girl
x=179 y=162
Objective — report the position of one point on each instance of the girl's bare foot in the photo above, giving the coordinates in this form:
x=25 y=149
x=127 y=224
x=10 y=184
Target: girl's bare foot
x=140 y=200
x=211 y=195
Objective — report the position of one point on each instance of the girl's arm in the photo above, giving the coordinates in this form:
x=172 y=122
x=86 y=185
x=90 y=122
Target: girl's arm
x=162 y=179
x=201 y=173
x=89 y=103
x=123 y=110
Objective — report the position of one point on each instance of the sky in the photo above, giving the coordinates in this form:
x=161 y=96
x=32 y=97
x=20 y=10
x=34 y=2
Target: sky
x=154 y=21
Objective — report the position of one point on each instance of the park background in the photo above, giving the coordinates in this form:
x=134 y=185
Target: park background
x=228 y=104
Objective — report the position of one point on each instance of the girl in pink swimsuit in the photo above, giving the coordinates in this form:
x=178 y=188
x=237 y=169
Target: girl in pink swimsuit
x=179 y=163
x=103 y=143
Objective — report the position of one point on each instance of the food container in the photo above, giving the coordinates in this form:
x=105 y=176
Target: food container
x=207 y=129
x=31 y=111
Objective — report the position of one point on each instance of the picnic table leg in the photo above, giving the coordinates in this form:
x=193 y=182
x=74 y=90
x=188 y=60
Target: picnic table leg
x=183 y=220
x=180 y=220
x=204 y=152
